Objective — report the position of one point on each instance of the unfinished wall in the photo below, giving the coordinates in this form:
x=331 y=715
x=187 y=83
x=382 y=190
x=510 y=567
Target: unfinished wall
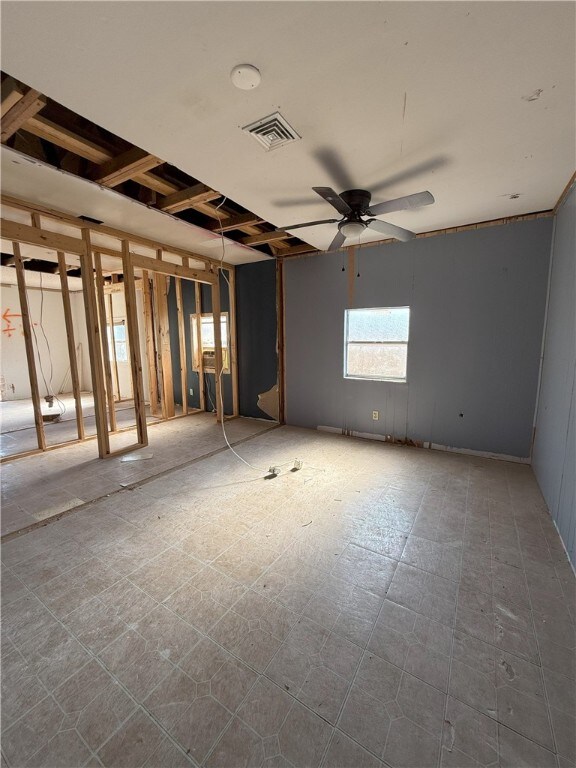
x=51 y=348
x=193 y=377
x=477 y=303
x=257 y=334
x=554 y=456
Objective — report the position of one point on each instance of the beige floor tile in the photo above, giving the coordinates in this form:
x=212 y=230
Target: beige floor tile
x=366 y=720
x=469 y=733
x=238 y=746
x=344 y=753
x=200 y=726
x=409 y=746
x=133 y=744
x=516 y=750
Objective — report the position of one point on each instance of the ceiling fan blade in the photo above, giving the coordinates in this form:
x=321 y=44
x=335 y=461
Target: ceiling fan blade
x=334 y=199
x=391 y=230
x=332 y=163
x=402 y=204
x=336 y=243
x=311 y=224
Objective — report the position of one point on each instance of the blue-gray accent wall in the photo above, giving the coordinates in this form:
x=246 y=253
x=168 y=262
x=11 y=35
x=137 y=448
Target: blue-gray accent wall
x=477 y=302
x=554 y=456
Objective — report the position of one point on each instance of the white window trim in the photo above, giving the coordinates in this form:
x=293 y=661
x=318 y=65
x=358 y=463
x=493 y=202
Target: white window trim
x=391 y=379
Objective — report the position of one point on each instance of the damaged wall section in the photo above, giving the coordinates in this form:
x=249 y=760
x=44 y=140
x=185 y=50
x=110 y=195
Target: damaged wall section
x=257 y=339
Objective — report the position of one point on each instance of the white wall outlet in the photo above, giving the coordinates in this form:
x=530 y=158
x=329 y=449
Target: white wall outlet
x=191 y=392
x=375 y=415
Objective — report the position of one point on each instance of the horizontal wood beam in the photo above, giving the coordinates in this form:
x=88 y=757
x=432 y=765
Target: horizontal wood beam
x=23 y=205
x=23 y=233
x=295 y=250
x=31 y=103
x=167 y=268
x=125 y=166
x=266 y=237
x=62 y=137
x=11 y=94
x=187 y=198
x=235 y=222
x=84 y=147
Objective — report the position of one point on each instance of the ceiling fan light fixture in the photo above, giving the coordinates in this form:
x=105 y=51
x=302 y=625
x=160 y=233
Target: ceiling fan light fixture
x=352 y=228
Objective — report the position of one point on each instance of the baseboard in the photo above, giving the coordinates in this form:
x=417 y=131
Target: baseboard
x=425 y=445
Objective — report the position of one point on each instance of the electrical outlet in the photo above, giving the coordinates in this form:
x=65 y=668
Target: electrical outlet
x=191 y=392
x=375 y=415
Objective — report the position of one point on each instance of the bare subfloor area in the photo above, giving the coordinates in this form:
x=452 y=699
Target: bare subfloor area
x=380 y=606
x=41 y=486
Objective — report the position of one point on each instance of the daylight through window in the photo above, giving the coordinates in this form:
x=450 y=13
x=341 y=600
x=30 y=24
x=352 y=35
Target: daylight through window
x=376 y=343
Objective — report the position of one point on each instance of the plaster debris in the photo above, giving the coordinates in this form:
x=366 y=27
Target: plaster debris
x=451 y=735
x=508 y=669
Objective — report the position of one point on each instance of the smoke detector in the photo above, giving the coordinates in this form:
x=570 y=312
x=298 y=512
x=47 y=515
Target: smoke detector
x=246 y=77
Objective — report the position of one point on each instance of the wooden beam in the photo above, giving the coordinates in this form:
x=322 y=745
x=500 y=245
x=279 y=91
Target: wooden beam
x=76 y=390
x=114 y=353
x=31 y=103
x=266 y=237
x=155 y=406
x=22 y=205
x=152 y=181
x=94 y=332
x=104 y=338
x=125 y=166
x=234 y=222
x=167 y=268
x=217 y=349
x=72 y=142
x=134 y=344
x=11 y=95
x=27 y=328
x=296 y=250
x=24 y=233
x=233 y=340
x=182 y=345
x=198 y=313
x=163 y=345
x=187 y=198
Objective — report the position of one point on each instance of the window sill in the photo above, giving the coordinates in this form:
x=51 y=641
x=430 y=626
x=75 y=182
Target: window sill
x=376 y=378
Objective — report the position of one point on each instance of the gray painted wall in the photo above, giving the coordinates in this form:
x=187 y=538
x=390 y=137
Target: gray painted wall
x=554 y=457
x=477 y=303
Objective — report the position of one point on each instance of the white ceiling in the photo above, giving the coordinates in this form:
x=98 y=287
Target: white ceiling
x=472 y=101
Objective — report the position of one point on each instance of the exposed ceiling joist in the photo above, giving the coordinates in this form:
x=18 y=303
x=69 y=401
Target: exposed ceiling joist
x=69 y=140
x=130 y=163
x=30 y=103
x=236 y=222
x=191 y=197
x=11 y=94
x=266 y=237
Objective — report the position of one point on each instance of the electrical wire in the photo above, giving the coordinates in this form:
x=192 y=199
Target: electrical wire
x=49 y=389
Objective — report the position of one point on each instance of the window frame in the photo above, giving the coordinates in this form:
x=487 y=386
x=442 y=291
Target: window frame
x=113 y=342
x=367 y=377
x=196 y=342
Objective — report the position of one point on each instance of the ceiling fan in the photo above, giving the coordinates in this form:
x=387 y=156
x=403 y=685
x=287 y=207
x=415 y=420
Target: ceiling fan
x=358 y=214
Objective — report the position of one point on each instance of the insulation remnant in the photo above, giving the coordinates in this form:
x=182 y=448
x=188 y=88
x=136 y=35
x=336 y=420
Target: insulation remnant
x=137 y=456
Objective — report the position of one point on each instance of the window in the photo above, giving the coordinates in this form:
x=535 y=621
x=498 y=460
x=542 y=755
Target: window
x=204 y=324
x=376 y=343
x=120 y=348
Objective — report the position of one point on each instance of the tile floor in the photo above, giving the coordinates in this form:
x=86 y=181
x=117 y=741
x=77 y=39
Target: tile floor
x=382 y=606
x=45 y=485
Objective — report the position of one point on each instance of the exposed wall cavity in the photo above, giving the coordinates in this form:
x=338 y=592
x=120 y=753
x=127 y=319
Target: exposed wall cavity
x=477 y=302
x=554 y=456
x=257 y=339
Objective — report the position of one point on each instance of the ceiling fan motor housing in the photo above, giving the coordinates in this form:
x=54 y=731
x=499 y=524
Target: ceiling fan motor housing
x=357 y=199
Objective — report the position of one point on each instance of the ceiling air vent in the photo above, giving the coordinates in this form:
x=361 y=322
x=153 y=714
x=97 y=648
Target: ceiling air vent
x=272 y=131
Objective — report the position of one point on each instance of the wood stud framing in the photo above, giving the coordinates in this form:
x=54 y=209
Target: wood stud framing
x=155 y=405
x=217 y=349
x=75 y=378
x=198 y=312
x=125 y=166
x=134 y=344
x=163 y=344
x=233 y=341
x=94 y=332
x=27 y=328
x=104 y=340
